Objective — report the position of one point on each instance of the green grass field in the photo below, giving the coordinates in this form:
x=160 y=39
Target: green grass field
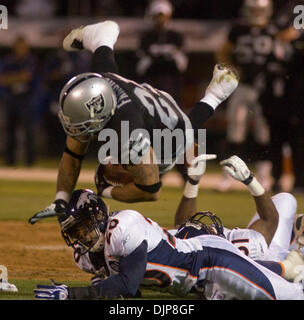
x=20 y=199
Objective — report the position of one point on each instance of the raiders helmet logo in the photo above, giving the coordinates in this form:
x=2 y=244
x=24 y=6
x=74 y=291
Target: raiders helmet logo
x=96 y=104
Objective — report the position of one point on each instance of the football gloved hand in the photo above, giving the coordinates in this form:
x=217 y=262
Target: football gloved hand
x=238 y=170
x=57 y=208
x=54 y=292
x=198 y=167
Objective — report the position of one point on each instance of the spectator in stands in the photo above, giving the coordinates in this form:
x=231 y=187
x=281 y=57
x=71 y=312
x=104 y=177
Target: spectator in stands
x=162 y=60
x=17 y=77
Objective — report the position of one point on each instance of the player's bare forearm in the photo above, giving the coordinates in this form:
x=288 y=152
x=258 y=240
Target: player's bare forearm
x=130 y=193
x=68 y=172
x=144 y=176
x=185 y=210
x=269 y=217
x=69 y=167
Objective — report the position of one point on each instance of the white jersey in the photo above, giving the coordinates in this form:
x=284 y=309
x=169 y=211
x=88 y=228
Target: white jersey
x=177 y=265
x=250 y=242
x=127 y=229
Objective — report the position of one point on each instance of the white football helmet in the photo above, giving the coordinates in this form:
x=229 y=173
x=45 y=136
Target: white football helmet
x=257 y=12
x=87 y=103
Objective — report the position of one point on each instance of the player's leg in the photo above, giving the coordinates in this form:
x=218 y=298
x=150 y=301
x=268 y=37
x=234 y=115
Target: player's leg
x=262 y=138
x=286 y=206
x=237 y=120
x=98 y=38
x=223 y=83
x=239 y=277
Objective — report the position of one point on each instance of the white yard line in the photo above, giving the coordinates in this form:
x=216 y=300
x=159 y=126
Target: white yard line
x=171 y=179
x=46 y=247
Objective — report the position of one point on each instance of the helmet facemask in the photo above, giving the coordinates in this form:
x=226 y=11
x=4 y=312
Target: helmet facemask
x=82 y=131
x=84 y=235
x=85 y=226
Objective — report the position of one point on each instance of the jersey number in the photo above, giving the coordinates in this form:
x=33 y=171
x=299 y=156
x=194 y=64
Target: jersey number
x=112 y=225
x=167 y=116
x=242 y=248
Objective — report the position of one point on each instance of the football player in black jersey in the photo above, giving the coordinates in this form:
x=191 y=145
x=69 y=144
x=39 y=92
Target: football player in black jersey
x=282 y=100
x=102 y=100
x=250 y=44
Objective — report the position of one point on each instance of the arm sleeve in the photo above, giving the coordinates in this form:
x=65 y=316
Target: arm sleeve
x=123 y=284
x=104 y=61
x=200 y=113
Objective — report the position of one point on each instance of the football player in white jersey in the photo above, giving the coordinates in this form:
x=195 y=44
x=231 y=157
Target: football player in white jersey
x=269 y=233
x=138 y=252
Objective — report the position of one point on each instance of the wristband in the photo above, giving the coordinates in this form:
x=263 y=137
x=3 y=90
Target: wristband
x=63 y=195
x=249 y=179
x=191 y=190
x=255 y=188
x=211 y=101
x=107 y=192
x=192 y=181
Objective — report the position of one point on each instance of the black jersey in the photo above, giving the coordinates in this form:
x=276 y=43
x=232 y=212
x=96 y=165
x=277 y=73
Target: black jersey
x=142 y=116
x=253 y=47
x=161 y=47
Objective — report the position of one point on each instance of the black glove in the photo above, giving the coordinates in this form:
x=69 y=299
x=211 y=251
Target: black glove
x=56 y=209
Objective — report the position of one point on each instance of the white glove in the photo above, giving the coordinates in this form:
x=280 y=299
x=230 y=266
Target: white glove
x=198 y=167
x=195 y=172
x=236 y=168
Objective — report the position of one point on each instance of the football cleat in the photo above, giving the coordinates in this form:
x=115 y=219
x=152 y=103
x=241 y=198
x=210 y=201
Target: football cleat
x=73 y=41
x=92 y=36
x=223 y=83
x=293 y=266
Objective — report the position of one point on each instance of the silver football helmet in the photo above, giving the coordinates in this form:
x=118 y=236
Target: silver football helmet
x=257 y=12
x=87 y=102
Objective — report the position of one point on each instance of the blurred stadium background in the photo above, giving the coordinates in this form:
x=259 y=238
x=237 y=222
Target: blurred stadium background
x=33 y=253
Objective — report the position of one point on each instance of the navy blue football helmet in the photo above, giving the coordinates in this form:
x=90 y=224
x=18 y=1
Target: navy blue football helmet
x=85 y=222
x=195 y=227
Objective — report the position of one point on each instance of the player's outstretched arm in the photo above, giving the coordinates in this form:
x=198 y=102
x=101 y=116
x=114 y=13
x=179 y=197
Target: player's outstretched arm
x=187 y=206
x=68 y=172
x=123 y=284
x=269 y=217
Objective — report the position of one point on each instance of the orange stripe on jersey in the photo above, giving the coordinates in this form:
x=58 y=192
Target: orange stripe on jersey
x=242 y=276
x=170 y=267
x=283 y=268
x=153 y=279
